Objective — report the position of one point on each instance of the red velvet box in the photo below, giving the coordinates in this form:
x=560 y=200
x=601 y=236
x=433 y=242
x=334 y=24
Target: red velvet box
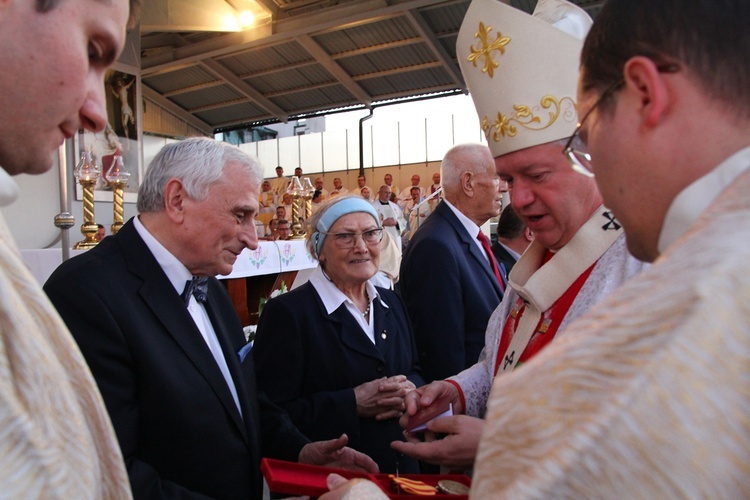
x=293 y=478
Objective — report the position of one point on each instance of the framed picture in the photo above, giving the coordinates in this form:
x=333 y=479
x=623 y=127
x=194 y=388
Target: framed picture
x=121 y=136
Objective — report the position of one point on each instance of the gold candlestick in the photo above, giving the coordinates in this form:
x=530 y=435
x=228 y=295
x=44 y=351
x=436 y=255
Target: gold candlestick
x=295 y=188
x=118 y=178
x=87 y=173
x=308 y=190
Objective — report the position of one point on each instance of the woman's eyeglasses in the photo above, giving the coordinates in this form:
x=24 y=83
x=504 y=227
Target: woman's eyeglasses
x=348 y=240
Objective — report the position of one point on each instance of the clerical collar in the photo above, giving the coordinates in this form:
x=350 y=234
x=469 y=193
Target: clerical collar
x=383 y=202
x=696 y=198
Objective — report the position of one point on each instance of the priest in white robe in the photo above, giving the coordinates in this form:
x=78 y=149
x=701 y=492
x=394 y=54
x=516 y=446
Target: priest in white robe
x=391 y=216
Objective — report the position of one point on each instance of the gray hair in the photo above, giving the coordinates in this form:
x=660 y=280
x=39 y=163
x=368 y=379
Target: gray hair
x=199 y=163
x=463 y=158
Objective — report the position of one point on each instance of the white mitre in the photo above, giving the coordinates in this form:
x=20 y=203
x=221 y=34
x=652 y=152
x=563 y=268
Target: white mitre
x=522 y=70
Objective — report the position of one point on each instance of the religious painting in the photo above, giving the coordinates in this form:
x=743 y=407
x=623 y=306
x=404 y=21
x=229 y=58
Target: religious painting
x=121 y=136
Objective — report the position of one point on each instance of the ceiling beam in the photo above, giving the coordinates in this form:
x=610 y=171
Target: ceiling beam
x=303 y=89
x=219 y=105
x=414 y=93
x=193 y=88
x=274 y=9
x=396 y=71
x=419 y=23
x=244 y=88
x=279 y=69
x=328 y=63
x=375 y=48
x=239 y=85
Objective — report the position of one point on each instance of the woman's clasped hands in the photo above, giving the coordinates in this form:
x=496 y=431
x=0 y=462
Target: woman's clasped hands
x=383 y=398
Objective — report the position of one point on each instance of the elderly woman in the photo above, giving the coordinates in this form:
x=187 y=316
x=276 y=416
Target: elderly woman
x=337 y=353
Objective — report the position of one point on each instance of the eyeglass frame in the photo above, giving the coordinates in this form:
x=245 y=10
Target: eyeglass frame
x=337 y=241
x=572 y=154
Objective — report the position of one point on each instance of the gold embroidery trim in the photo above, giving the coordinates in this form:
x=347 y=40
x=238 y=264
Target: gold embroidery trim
x=487 y=48
x=524 y=116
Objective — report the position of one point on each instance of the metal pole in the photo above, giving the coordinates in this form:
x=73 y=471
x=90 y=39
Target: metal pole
x=361 y=144
x=64 y=220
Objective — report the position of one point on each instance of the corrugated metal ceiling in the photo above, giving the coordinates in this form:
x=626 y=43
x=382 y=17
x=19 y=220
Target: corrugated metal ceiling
x=312 y=56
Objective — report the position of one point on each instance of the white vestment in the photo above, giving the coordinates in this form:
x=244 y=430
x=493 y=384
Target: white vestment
x=56 y=439
x=648 y=394
x=279 y=185
x=267 y=202
x=416 y=217
x=542 y=286
x=391 y=211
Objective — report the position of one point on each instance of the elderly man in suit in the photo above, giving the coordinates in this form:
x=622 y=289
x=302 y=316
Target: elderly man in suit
x=162 y=338
x=449 y=279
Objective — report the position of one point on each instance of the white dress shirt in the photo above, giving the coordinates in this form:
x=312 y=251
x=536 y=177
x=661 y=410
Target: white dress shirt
x=332 y=299
x=470 y=227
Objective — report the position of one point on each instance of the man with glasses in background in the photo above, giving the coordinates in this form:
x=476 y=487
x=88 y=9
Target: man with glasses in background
x=284 y=229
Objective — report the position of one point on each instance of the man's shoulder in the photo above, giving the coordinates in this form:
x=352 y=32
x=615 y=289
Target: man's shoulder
x=435 y=238
x=436 y=226
x=103 y=258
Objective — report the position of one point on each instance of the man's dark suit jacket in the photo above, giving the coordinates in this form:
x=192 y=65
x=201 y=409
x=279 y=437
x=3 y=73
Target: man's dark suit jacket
x=308 y=362
x=450 y=292
x=178 y=426
x=503 y=257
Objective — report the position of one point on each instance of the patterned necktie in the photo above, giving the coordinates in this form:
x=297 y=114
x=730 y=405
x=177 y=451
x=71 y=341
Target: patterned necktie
x=197 y=286
x=493 y=263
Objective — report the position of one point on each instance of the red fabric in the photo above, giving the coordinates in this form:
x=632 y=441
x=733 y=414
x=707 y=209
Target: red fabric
x=493 y=263
x=292 y=478
x=539 y=339
x=460 y=394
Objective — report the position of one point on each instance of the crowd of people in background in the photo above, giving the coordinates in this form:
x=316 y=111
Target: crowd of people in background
x=414 y=202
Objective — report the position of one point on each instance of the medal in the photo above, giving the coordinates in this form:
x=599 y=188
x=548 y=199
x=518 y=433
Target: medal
x=452 y=487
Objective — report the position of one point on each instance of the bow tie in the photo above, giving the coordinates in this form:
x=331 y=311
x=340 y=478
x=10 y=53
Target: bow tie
x=197 y=286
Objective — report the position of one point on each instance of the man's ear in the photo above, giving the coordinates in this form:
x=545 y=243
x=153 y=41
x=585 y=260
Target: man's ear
x=652 y=94
x=467 y=184
x=174 y=200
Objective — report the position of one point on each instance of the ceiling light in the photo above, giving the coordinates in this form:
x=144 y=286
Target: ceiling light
x=246 y=19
